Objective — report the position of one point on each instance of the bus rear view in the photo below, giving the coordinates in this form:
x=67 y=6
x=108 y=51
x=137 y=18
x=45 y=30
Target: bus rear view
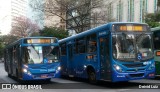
x=33 y=58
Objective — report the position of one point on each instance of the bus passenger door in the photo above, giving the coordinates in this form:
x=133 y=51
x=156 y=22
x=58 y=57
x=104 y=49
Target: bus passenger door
x=70 y=60
x=104 y=58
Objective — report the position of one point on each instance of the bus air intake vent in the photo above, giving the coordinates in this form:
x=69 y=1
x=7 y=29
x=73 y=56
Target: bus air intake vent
x=134 y=65
x=137 y=75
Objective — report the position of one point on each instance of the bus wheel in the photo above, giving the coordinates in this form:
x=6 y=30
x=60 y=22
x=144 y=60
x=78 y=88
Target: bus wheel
x=17 y=75
x=48 y=80
x=9 y=75
x=92 y=77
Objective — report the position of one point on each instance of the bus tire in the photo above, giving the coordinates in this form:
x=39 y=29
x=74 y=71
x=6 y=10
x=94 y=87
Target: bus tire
x=9 y=75
x=92 y=76
x=17 y=74
x=48 y=80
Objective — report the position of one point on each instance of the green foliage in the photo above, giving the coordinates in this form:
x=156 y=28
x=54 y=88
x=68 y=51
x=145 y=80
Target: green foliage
x=1 y=47
x=158 y=3
x=54 y=32
x=6 y=40
x=153 y=19
x=35 y=34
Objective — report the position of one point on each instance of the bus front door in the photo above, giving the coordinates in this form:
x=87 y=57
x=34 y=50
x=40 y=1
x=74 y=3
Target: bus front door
x=104 y=59
x=70 y=61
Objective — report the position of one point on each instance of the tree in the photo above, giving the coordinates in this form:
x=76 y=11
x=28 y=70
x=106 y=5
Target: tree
x=35 y=34
x=158 y=3
x=23 y=27
x=53 y=32
x=77 y=14
x=153 y=20
x=1 y=47
x=6 y=40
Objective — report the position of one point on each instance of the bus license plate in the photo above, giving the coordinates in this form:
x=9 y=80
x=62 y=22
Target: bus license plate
x=43 y=76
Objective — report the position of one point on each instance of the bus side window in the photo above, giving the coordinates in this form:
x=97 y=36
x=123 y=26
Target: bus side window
x=91 y=43
x=80 y=45
x=63 y=49
x=26 y=57
x=14 y=52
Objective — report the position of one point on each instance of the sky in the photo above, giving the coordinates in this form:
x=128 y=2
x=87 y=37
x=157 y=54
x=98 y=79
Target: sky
x=5 y=16
x=5 y=21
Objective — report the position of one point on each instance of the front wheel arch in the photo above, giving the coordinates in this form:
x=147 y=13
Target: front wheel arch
x=91 y=75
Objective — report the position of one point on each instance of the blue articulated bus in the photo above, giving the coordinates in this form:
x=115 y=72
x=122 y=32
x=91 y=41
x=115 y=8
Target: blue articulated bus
x=33 y=58
x=111 y=52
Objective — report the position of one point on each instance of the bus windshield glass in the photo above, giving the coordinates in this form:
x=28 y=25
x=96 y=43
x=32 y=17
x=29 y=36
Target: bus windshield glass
x=127 y=47
x=156 y=40
x=41 y=54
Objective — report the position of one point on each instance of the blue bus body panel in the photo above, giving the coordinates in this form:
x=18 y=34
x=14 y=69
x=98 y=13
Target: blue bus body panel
x=106 y=27
x=39 y=70
x=80 y=63
x=34 y=71
x=132 y=73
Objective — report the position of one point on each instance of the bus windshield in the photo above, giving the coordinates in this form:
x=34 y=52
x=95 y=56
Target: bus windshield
x=156 y=40
x=41 y=54
x=144 y=46
x=128 y=47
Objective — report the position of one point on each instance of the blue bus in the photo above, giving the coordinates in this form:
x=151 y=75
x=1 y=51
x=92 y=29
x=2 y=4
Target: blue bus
x=156 y=40
x=33 y=58
x=111 y=52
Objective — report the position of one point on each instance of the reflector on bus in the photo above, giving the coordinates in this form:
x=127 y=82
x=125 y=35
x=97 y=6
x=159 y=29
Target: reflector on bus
x=158 y=53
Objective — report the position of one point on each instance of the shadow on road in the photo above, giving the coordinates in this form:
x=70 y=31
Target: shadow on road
x=82 y=84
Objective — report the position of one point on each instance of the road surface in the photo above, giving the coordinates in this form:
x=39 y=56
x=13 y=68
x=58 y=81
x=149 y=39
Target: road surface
x=79 y=85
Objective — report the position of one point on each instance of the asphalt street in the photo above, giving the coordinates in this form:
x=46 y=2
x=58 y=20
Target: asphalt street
x=81 y=85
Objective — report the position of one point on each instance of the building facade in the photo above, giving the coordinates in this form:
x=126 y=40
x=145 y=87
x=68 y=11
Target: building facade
x=10 y=10
x=53 y=20
x=18 y=9
x=111 y=11
x=130 y=10
x=36 y=17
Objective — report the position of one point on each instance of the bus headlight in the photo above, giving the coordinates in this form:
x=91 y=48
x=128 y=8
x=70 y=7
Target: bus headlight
x=59 y=68
x=118 y=68
x=25 y=70
x=26 y=66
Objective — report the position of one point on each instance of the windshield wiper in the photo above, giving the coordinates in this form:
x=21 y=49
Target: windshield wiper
x=139 y=36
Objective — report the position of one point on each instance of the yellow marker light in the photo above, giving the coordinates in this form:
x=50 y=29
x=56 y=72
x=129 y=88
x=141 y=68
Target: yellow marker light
x=158 y=53
x=138 y=28
x=29 y=41
x=123 y=27
x=38 y=40
x=131 y=28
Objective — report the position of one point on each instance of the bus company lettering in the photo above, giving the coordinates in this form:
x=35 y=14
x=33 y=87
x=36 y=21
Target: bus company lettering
x=120 y=76
x=102 y=33
x=43 y=70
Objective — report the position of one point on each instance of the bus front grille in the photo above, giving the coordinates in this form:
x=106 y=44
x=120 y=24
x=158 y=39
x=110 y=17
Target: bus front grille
x=134 y=65
x=137 y=75
x=135 y=70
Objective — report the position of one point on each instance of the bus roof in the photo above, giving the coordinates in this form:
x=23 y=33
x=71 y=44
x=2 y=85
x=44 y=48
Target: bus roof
x=97 y=29
x=155 y=29
x=21 y=39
